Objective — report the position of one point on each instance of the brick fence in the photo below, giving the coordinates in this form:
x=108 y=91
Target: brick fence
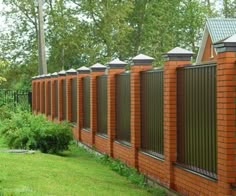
x=210 y=172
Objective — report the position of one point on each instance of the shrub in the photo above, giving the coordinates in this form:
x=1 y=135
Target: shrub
x=26 y=131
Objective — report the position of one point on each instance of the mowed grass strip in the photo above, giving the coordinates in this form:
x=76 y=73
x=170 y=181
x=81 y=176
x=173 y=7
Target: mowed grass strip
x=75 y=172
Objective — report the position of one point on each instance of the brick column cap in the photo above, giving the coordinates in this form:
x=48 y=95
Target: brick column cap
x=42 y=76
x=34 y=78
x=226 y=45
x=71 y=72
x=83 y=70
x=55 y=74
x=178 y=54
x=48 y=75
x=98 y=68
x=62 y=73
x=116 y=64
x=142 y=59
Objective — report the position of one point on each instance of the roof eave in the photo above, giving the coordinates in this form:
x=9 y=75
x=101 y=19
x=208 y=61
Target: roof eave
x=202 y=45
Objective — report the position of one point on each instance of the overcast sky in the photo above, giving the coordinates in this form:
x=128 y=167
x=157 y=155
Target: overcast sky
x=2 y=19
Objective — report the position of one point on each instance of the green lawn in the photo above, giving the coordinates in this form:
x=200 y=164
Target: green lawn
x=75 y=173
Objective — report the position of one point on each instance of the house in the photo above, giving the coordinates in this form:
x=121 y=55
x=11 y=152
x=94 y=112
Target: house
x=216 y=29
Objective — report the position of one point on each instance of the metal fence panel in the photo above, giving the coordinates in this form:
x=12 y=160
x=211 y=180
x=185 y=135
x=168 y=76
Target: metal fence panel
x=152 y=112
x=15 y=98
x=49 y=98
x=56 y=99
x=64 y=97
x=123 y=107
x=86 y=102
x=74 y=100
x=38 y=98
x=43 y=98
x=102 y=104
x=196 y=119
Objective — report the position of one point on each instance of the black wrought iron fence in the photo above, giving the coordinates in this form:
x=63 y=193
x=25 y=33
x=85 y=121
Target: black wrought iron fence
x=196 y=119
x=152 y=112
x=14 y=98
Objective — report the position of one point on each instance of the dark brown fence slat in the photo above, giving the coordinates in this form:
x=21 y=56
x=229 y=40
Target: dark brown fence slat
x=196 y=119
x=56 y=99
x=64 y=97
x=152 y=112
x=123 y=108
x=49 y=98
x=102 y=104
x=86 y=103
x=43 y=98
x=74 y=100
x=38 y=98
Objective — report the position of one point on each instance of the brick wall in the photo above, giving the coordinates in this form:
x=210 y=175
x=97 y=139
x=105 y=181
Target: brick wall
x=163 y=170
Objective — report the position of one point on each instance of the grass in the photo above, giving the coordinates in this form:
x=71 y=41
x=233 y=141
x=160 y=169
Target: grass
x=74 y=172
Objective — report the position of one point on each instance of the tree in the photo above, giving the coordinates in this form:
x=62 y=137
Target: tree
x=229 y=8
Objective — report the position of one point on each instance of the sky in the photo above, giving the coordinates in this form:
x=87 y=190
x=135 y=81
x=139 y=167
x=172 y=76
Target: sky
x=3 y=26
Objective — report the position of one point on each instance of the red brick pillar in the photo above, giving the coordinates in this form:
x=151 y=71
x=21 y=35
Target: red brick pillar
x=226 y=116
x=53 y=103
x=115 y=67
x=81 y=73
x=70 y=74
x=140 y=63
x=61 y=78
x=47 y=79
x=96 y=70
x=175 y=58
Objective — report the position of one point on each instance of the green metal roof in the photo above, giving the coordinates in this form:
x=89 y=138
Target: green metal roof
x=221 y=28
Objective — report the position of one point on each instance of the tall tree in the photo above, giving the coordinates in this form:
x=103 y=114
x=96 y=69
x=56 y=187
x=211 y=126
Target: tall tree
x=229 y=8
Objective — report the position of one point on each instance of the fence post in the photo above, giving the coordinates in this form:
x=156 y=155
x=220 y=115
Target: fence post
x=175 y=58
x=53 y=103
x=140 y=63
x=61 y=77
x=114 y=67
x=226 y=115
x=81 y=73
x=96 y=70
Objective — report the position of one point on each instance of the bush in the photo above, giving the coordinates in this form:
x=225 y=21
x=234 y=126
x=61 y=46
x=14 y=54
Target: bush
x=26 y=131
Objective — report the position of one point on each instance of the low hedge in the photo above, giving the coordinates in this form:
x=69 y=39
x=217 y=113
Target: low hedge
x=23 y=130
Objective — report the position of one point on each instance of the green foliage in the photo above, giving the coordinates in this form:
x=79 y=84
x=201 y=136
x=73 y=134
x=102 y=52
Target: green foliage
x=131 y=173
x=23 y=130
x=229 y=8
x=82 y=32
